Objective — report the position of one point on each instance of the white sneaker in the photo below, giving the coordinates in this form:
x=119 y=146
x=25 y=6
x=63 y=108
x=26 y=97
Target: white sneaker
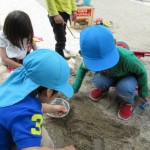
x=67 y=54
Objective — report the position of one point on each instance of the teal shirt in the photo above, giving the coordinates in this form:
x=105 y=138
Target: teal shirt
x=128 y=64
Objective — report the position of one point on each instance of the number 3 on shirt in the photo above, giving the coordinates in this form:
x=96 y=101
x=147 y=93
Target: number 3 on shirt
x=39 y=120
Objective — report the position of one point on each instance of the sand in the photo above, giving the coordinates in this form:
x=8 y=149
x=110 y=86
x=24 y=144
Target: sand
x=95 y=125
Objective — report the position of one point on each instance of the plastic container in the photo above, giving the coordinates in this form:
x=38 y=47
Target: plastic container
x=59 y=101
x=87 y=2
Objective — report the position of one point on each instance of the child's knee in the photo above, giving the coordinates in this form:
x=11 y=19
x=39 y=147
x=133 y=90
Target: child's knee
x=126 y=93
x=101 y=81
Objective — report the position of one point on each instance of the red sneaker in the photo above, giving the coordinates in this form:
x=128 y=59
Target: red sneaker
x=125 y=111
x=97 y=94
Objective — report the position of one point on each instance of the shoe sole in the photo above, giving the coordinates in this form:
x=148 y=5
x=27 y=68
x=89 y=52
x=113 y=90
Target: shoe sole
x=123 y=118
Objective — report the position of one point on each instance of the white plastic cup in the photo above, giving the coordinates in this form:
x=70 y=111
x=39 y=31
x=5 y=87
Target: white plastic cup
x=59 y=101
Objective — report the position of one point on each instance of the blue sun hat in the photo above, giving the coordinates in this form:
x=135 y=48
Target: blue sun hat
x=42 y=67
x=98 y=48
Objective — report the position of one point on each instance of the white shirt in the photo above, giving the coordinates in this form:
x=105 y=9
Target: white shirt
x=11 y=50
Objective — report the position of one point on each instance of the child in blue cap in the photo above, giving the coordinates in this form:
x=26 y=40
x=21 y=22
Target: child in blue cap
x=113 y=66
x=43 y=74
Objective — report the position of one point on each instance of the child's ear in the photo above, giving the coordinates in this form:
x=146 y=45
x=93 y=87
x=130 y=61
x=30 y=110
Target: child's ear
x=49 y=92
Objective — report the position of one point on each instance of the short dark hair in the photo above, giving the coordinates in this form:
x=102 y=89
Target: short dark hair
x=18 y=26
x=40 y=90
x=37 y=91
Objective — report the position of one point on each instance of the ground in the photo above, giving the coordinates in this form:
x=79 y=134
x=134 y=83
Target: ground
x=95 y=125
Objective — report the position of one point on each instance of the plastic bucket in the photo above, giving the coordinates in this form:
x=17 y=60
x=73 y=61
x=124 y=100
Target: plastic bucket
x=86 y=2
x=59 y=101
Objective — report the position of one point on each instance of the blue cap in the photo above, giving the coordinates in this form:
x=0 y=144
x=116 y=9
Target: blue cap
x=98 y=48
x=42 y=67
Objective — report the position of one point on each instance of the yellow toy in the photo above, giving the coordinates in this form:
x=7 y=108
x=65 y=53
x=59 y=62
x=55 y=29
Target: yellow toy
x=37 y=39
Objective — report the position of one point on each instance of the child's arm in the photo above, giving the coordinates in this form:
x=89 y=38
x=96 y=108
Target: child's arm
x=52 y=7
x=47 y=108
x=79 y=77
x=46 y=148
x=134 y=66
x=74 y=8
x=8 y=61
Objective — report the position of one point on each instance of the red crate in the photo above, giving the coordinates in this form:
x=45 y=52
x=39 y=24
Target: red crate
x=85 y=16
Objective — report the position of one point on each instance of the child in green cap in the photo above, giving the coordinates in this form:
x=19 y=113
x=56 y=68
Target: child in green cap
x=113 y=66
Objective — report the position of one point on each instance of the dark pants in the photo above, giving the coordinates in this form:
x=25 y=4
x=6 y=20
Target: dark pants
x=59 y=32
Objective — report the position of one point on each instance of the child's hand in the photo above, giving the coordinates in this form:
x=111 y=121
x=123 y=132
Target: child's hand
x=58 y=109
x=48 y=108
x=58 y=19
x=74 y=17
